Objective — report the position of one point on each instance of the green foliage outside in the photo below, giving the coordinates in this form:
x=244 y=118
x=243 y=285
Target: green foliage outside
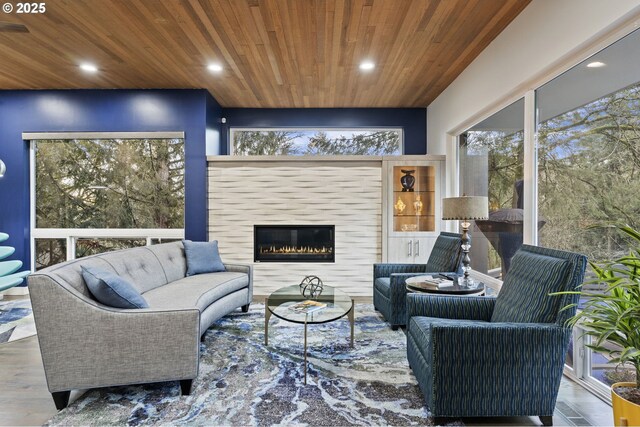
x=110 y=184
x=588 y=173
x=611 y=316
x=261 y=143
x=255 y=143
x=107 y=183
x=505 y=157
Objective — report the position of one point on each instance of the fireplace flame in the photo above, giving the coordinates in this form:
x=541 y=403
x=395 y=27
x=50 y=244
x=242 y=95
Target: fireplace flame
x=295 y=250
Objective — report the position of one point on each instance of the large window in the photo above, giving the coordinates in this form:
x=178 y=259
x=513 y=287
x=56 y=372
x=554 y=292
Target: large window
x=491 y=164
x=588 y=157
x=583 y=166
x=95 y=195
x=301 y=142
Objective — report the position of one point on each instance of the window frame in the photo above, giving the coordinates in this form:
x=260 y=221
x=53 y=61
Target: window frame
x=71 y=235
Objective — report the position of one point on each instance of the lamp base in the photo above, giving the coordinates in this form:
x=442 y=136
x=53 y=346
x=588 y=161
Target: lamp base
x=468 y=282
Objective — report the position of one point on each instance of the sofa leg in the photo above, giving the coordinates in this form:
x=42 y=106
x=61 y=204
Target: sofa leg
x=546 y=420
x=185 y=387
x=245 y=308
x=394 y=327
x=61 y=399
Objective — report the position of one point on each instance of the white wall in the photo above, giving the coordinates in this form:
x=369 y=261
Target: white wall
x=540 y=41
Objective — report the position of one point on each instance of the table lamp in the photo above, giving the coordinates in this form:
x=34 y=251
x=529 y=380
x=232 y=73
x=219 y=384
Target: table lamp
x=465 y=208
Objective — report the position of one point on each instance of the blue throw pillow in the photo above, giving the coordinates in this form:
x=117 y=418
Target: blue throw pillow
x=202 y=257
x=111 y=289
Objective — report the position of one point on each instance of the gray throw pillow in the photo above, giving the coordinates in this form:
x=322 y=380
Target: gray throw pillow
x=202 y=257
x=111 y=289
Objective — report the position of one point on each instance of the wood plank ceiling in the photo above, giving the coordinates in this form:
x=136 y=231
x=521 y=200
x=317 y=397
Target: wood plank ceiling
x=274 y=53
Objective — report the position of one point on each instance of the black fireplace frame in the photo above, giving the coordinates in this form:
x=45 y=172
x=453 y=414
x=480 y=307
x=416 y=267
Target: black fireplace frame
x=327 y=258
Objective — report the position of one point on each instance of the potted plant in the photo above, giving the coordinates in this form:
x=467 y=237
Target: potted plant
x=611 y=317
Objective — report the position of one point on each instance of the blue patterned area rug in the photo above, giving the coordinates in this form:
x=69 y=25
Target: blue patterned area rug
x=16 y=320
x=242 y=382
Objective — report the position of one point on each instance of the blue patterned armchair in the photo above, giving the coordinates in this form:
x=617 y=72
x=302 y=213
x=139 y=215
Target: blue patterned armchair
x=389 y=287
x=504 y=356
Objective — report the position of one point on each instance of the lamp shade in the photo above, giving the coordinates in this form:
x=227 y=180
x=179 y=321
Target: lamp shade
x=465 y=208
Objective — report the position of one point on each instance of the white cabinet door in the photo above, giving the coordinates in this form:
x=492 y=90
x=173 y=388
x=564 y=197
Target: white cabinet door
x=422 y=249
x=400 y=250
x=412 y=250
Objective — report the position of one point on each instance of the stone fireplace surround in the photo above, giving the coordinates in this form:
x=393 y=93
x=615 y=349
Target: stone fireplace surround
x=344 y=191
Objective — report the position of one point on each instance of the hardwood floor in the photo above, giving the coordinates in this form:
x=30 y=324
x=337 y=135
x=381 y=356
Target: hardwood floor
x=25 y=400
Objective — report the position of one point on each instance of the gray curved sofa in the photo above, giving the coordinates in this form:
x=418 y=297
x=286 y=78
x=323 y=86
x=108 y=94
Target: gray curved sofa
x=85 y=344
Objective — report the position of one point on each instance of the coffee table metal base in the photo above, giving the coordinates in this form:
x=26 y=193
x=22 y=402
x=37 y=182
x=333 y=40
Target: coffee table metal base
x=267 y=316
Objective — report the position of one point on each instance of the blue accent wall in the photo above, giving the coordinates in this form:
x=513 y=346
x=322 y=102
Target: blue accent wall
x=194 y=112
x=413 y=121
x=190 y=111
x=214 y=114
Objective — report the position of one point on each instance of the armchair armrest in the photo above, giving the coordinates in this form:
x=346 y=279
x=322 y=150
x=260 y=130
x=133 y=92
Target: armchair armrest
x=85 y=344
x=523 y=347
x=507 y=362
x=398 y=284
x=385 y=269
x=450 y=307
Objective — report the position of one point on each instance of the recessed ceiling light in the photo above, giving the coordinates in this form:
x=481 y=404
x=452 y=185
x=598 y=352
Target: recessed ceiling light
x=89 y=68
x=367 y=66
x=215 y=68
x=596 y=64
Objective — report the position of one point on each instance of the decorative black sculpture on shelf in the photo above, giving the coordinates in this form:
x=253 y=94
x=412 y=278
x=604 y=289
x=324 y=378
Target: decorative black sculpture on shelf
x=311 y=287
x=407 y=180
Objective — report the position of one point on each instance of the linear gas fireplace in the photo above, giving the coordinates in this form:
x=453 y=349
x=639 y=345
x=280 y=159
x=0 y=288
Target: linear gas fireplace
x=294 y=243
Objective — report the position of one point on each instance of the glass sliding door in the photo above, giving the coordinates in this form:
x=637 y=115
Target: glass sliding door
x=588 y=133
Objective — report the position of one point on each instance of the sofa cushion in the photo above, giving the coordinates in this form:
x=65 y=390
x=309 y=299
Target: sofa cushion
x=524 y=296
x=111 y=289
x=138 y=266
x=383 y=285
x=198 y=291
x=70 y=272
x=171 y=257
x=202 y=257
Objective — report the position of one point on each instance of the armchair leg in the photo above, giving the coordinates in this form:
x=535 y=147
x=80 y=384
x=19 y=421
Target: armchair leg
x=441 y=421
x=61 y=399
x=546 y=420
x=185 y=387
x=245 y=308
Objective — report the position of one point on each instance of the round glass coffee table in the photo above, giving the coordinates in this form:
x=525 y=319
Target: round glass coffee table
x=334 y=304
